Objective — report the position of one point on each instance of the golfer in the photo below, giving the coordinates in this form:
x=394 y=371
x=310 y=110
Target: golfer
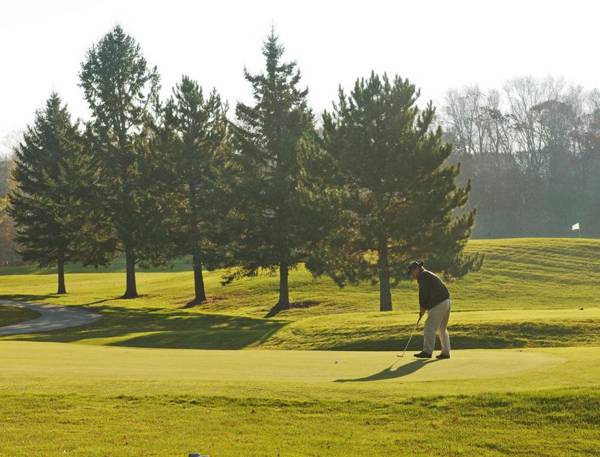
x=434 y=299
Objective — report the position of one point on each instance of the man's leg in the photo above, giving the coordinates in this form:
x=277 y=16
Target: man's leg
x=443 y=327
x=430 y=329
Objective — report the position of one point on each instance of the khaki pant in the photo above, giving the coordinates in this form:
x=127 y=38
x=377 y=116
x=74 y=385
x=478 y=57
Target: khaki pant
x=437 y=322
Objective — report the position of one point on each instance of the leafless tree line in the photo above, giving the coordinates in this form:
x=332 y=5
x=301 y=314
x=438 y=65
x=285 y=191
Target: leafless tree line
x=532 y=153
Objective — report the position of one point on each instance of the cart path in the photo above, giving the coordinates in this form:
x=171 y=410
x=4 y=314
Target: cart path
x=51 y=318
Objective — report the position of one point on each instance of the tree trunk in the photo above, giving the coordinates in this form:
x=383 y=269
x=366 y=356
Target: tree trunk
x=61 y=277
x=385 y=294
x=198 y=281
x=131 y=291
x=284 y=293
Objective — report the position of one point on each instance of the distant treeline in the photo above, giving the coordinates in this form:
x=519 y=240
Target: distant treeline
x=532 y=153
x=153 y=179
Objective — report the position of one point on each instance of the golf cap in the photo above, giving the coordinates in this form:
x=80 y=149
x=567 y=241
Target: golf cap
x=414 y=264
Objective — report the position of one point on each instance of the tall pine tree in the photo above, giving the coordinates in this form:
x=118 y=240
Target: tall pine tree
x=397 y=200
x=198 y=143
x=122 y=93
x=278 y=207
x=46 y=203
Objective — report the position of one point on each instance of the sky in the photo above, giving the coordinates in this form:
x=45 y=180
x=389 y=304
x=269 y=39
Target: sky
x=437 y=44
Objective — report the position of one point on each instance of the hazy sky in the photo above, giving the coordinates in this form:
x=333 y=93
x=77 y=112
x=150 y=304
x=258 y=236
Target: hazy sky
x=438 y=44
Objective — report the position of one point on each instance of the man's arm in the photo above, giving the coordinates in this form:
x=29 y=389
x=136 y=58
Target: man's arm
x=424 y=292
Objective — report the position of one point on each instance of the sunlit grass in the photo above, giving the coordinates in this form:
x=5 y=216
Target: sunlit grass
x=523 y=379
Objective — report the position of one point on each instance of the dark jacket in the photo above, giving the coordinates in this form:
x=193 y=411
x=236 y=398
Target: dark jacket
x=432 y=291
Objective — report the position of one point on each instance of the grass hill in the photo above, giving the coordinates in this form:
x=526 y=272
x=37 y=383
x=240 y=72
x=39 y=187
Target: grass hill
x=529 y=293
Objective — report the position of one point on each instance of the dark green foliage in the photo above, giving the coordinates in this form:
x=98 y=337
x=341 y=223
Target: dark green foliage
x=279 y=211
x=396 y=199
x=196 y=138
x=122 y=93
x=46 y=204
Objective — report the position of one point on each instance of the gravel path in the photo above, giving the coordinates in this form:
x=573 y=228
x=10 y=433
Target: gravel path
x=51 y=318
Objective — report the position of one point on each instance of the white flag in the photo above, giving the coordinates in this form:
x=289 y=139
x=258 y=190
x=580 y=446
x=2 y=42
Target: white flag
x=575 y=226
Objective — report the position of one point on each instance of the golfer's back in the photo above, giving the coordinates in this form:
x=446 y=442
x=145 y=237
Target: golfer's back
x=432 y=289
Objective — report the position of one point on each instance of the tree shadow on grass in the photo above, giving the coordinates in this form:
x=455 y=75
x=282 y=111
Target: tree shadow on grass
x=275 y=310
x=30 y=298
x=393 y=373
x=27 y=297
x=149 y=327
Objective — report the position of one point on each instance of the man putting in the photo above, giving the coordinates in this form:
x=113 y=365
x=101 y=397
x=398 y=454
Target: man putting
x=434 y=299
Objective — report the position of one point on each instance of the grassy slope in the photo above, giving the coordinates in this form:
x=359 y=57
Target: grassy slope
x=536 y=287
x=518 y=273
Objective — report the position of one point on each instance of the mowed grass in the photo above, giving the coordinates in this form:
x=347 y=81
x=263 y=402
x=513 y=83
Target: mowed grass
x=529 y=293
x=557 y=424
x=155 y=378
x=517 y=274
x=64 y=399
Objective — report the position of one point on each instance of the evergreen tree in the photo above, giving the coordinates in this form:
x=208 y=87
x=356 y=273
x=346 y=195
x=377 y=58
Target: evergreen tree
x=122 y=93
x=46 y=203
x=198 y=143
x=278 y=207
x=396 y=199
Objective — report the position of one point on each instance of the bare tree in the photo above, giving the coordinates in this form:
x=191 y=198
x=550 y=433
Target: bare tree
x=528 y=151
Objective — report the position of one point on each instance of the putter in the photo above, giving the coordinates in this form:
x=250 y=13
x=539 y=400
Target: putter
x=410 y=337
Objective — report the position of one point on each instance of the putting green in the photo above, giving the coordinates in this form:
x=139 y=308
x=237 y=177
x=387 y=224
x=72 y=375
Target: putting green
x=289 y=366
x=59 y=367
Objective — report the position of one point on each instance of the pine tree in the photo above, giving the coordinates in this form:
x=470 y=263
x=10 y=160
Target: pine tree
x=122 y=93
x=278 y=209
x=397 y=200
x=198 y=142
x=49 y=183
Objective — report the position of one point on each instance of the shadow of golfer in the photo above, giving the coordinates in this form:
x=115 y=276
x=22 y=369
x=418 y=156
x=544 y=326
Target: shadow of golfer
x=391 y=372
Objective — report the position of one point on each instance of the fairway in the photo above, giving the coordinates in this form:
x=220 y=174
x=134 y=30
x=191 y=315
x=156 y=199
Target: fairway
x=153 y=377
